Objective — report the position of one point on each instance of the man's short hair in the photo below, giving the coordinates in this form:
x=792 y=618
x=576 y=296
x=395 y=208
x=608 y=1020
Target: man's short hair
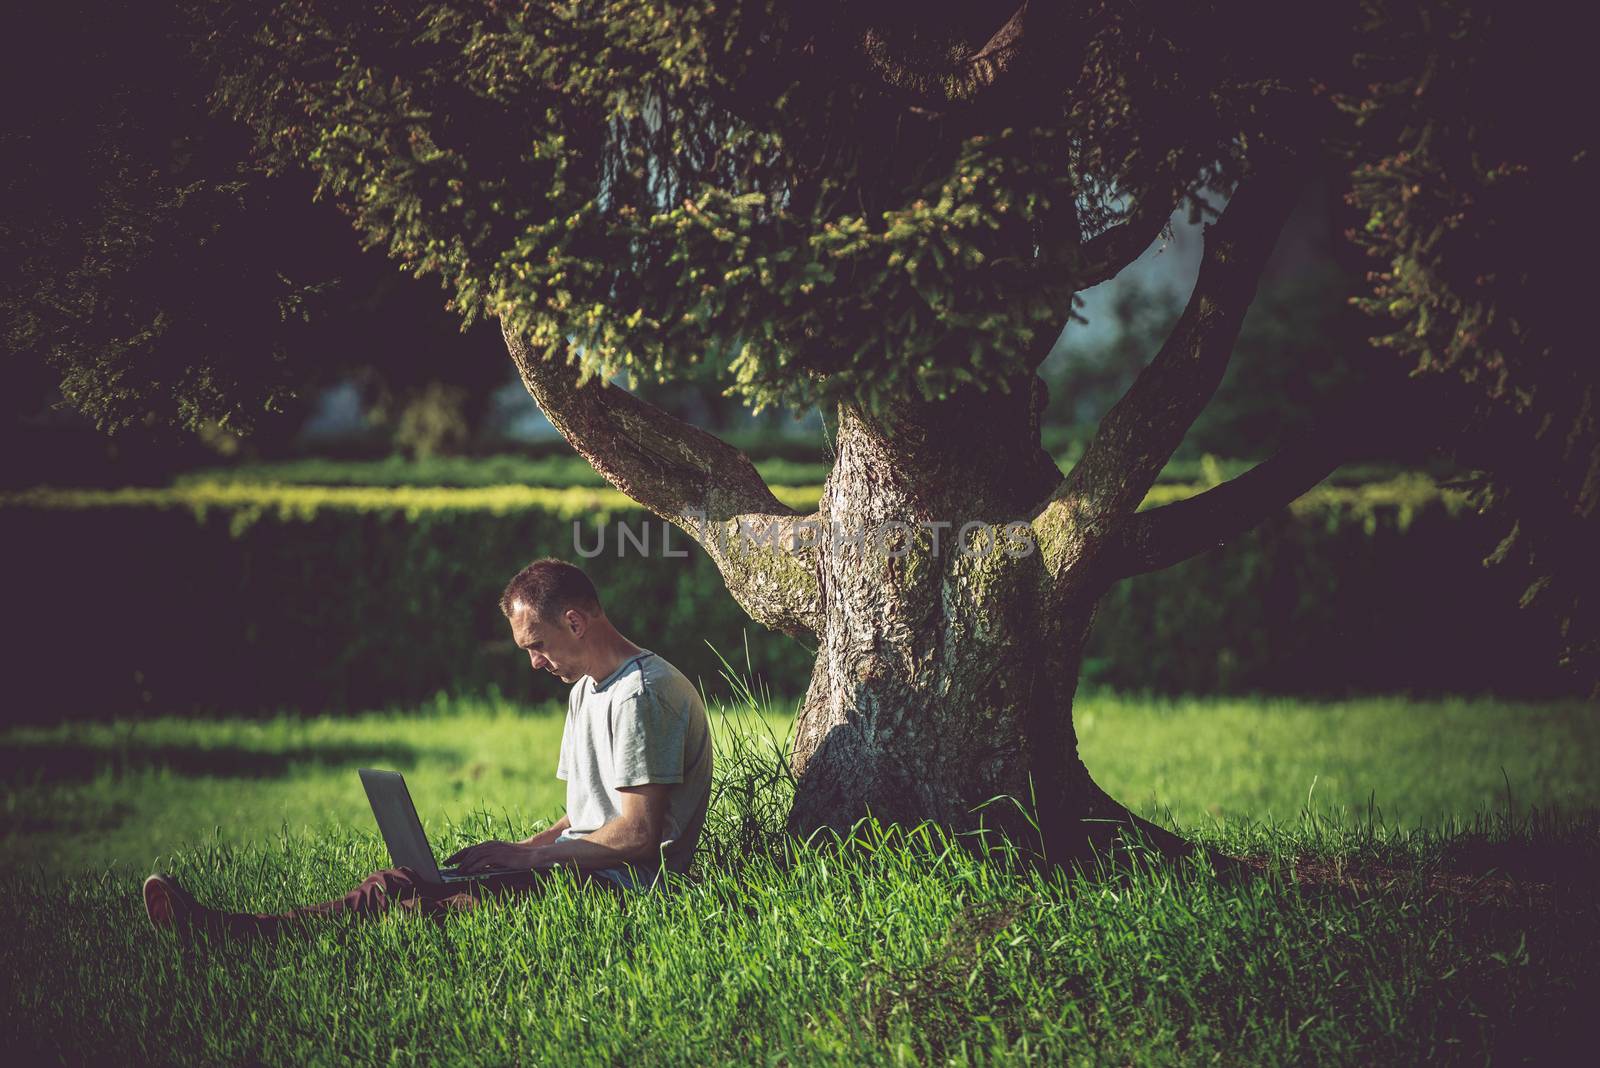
x=550 y=587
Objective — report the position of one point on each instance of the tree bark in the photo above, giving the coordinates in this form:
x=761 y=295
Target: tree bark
x=947 y=665
x=688 y=477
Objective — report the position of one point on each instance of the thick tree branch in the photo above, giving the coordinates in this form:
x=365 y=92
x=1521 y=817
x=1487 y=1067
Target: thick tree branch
x=1143 y=429
x=690 y=478
x=1171 y=534
x=1140 y=433
x=1105 y=255
x=1403 y=416
x=1030 y=51
x=952 y=83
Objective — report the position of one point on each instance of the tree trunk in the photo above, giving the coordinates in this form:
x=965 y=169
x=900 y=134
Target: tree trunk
x=945 y=675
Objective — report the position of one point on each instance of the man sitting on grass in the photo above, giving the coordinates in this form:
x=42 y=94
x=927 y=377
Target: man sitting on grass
x=635 y=754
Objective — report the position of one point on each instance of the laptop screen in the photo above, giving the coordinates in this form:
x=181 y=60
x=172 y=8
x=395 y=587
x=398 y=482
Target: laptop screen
x=398 y=822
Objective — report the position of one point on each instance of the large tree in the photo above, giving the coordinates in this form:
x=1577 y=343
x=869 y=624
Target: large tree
x=883 y=207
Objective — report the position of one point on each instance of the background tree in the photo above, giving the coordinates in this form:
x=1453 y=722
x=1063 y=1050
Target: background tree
x=1299 y=344
x=1474 y=187
x=883 y=208
x=1085 y=380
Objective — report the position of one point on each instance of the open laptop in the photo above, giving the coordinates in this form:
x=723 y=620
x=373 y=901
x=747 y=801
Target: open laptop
x=402 y=831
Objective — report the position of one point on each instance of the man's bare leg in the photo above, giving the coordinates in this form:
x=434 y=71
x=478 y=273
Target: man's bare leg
x=170 y=906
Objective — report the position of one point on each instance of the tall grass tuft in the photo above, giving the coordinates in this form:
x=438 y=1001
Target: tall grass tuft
x=753 y=788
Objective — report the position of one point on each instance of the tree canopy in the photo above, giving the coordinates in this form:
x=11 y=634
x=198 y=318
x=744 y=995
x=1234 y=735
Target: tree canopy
x=804 y=201
x=866 y=202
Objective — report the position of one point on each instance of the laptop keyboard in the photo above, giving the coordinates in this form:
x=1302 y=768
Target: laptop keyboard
x=455 y=874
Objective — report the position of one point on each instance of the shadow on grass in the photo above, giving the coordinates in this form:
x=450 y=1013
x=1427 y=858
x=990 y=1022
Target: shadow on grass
x=1560 y=864
x=56 y=761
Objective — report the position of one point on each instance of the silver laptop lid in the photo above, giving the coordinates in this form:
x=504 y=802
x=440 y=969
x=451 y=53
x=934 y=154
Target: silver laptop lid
x=398 y=822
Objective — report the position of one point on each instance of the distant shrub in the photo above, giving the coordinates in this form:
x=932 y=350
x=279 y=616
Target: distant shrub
x=236 y=597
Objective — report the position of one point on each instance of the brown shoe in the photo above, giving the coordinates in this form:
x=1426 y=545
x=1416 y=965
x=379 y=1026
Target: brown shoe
x=169 y=905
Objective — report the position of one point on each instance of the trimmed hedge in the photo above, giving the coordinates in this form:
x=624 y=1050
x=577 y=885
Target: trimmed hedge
x=570 y=470
x=230 y=598
x=238 y=598
x=507 y=469
x=1373 y=589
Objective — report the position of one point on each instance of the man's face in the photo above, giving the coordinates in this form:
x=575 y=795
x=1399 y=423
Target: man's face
x=555 y=646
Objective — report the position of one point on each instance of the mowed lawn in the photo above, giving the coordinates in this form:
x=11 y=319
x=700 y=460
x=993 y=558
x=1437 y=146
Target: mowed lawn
x=1411 y=764
x=83 y=796
x=90 y=796
x=1407 y=948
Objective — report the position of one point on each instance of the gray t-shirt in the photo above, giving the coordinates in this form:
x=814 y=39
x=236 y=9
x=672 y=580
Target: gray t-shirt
x=642 y=723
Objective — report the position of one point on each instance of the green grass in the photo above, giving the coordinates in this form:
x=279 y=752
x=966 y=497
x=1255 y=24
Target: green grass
x=901 y=949
x=91 y=795
x=1417 y=764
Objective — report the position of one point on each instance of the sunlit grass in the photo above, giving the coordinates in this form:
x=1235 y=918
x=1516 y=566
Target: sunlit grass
x=1407 y=763
x=89 y=795
x=901 y=949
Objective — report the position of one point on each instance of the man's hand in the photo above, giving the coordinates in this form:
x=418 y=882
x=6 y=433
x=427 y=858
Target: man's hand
x=498 y=854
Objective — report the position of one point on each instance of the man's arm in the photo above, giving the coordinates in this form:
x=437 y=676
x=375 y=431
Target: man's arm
x=633 y=837
x=549 y=834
